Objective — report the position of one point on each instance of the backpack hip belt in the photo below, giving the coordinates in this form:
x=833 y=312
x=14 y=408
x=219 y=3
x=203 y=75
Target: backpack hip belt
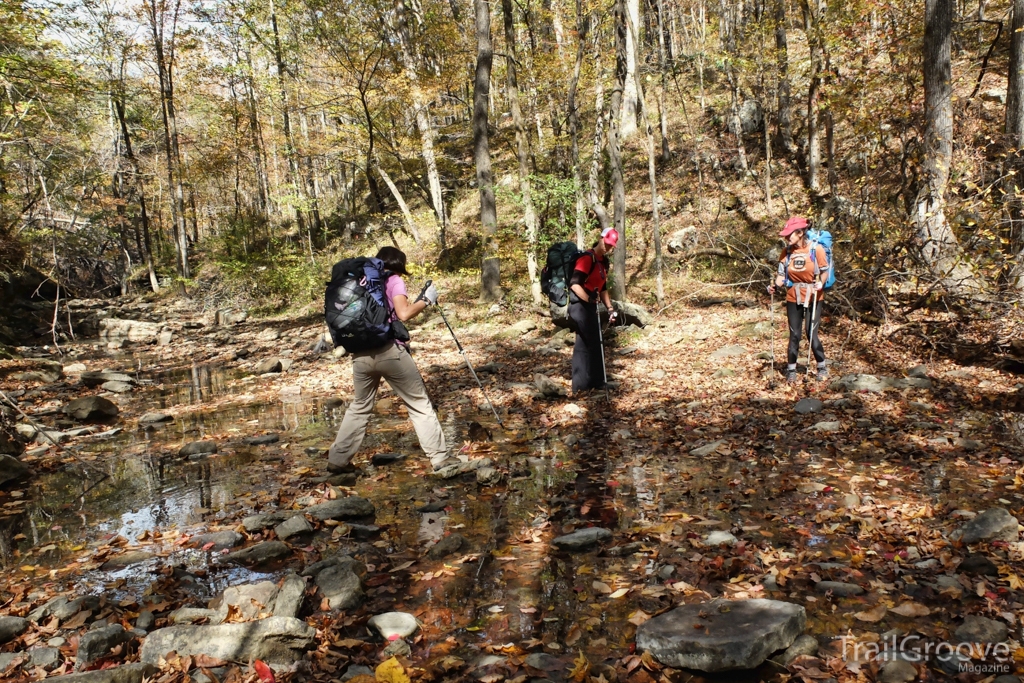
x=808 y=293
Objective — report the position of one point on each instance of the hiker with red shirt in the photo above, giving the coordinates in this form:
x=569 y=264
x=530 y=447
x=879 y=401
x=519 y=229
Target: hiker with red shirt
x=803 y=274
x=589 y=282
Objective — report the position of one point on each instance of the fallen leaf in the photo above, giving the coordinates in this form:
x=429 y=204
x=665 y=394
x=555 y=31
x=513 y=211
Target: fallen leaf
x=265 y=674
x=619 y=593
x=638 y=617
x=602 y=587
x=391 y=671
x=872 y=615
x=912 y=609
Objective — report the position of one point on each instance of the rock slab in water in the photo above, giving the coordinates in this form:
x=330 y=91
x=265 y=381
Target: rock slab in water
x=98 y=643
x=10 y=469
x=996 y=524
x=126 y=560
x=11 y=628
x=129 y=673
x=95 y=379
x=838 y=588
x=808 y=405
x=262 y=440
x=117 y=387
x=583 y=538
x=977 y=629
x=263 y=521
x=341 y=508
x=258 y=554
x=707 y=450
x=132 y=330
x=446 y=546
x=292 y=527
x=735 y=635
x=270 y=365
x=198 y=448
x=150 y=418
x=90 y=408
x=278 y=641
x=341 y=586
x=220 y=540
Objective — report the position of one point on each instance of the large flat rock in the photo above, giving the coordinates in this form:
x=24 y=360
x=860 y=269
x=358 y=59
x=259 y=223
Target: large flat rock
x=129 y=673
x=278 y=641
x=11 y=468
x=732 y=634
x=583 y=538
x=341 y=508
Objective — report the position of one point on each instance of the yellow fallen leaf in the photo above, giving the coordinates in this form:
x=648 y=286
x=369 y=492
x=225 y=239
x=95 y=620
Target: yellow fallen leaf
x=638 y=617
x=619 y=593
x=872 y=615
x=27 y=568
x=601 y=587
x=391 y=672
x=912 y=609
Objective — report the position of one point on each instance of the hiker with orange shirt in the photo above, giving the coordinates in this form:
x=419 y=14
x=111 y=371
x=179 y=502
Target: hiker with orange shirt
x=803 y=271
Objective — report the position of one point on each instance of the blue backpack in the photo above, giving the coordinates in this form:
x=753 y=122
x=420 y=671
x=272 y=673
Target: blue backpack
x=823 y=238
x=356 y=307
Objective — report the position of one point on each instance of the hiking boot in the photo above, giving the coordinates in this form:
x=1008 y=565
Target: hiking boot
x=791 y=376
x=822 y=373
x=447 y=462
x=347 y=468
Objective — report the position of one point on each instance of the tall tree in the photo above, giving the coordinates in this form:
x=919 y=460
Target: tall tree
x=522 y=149
x=490 y=267
x=784 y=117
x=937 y=244
x=618 y=288
x=630 y=106
x=1015 y=134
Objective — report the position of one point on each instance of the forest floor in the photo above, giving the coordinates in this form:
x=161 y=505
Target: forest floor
x=710 y=482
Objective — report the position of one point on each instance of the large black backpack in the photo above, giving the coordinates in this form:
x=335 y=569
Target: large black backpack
x=554 y=278
x=356 y=306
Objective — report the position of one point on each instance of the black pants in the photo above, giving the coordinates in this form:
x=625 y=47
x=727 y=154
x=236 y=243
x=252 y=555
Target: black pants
x=587 y=360
x=799 y=318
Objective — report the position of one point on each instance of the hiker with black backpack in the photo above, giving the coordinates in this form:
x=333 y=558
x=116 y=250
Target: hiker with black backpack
x=366 y=304
x=804 y=270
x=589 y=281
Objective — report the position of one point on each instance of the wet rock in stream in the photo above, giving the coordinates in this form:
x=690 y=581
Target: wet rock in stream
x=264 y=521
x=262 y=440
x=448 y=545
x=721 y=635
x=12 y=469
x=218 y=540
x=583 y=538
x=98 y=643
x=996 y=524
x=293 y=526
x=95 y=379
x=198 y=448
x=91 y=408
x=153 y=418
x=352 y=507
x=127 y=559
x=278 y=641
x=257 y=554
x=341 y=587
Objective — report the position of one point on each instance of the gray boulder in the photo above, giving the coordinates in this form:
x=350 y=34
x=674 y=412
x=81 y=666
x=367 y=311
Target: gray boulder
x=682 y=240
x=278 y=641
x=230 y=316
x=547 y=387
x=629 y=314
x=150 y=418
x=11 y=628
x=98 y=643
x=838 y=588
x=341 y=508
x=198 y=448
x=117 y=387
x=733 y=635
x=11 y=469
x=90 y=408
x=263 y=521
x=293 y=526
x=126 y=559
x=337 y=561
x=897 y=671
x=583 y=538
x=808 y=405
x=748 y=119
x=133 y=330
x=129 y=673
x=446 y=546
x=996 y=524
x=290 y=596
x=95 y=379
x=250 y=600
x=804 y=645
x=270 y=365
x=220 y=540
x=977 y=629
x=258 y=554
x=341 y=586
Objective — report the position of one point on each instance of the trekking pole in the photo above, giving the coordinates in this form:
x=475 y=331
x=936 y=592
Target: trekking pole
x=468 y=364
x=810 y=333
x=771 y=373
x=604 y=368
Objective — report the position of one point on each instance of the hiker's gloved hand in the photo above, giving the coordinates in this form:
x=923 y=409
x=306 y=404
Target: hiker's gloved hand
x=771 y=289
x=612 y=317
x=429 y=294
x=818 y=285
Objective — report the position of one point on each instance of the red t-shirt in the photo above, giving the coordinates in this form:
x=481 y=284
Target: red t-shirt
x=597 y=280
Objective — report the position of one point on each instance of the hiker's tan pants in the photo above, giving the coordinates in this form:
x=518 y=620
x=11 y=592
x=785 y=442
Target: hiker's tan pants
x=394 y=364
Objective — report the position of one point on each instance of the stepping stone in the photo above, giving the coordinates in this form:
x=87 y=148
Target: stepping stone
x=270 y=365
x=150 y=418
x=293 y=526
x=826 y=427
x=117 y=387
x=583 y=538
x=717 y=538
x=198 y=448
x=98 y=643
x=446 y=546
x=91 y=408
x=838 y=588
x=996 y=524
x=263 y=440
x=341 y=508
x=808 y=405
x=731 y=635
x=897 y=671
x=126 y=560
x=257 y=554
x=264 y=521
x=11 y=628
x=220 y=540
x=387 y=458
x=341 y=587
x=977 y=629
x=278 y=641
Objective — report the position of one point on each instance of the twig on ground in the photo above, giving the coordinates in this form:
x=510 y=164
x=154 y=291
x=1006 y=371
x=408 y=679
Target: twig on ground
x=695 y=293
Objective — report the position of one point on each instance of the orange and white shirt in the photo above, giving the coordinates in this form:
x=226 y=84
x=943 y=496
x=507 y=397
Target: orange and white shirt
x=801 y=270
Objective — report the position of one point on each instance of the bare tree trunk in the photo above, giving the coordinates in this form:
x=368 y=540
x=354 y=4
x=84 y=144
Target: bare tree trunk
x=289 y=139
x=618 y=285
x=165 y=75
x=595 y=162
x=409 y=222
x=259 y=147
x=423 y=124
x=811 y=24
x=582 y=29
x=938 y=245
x=1015 y=137
x=666 y=153
x=652 y=176
x=490 y=271
x=523 y=151
x=630 y=112
x=140 y=188
x=785 y=126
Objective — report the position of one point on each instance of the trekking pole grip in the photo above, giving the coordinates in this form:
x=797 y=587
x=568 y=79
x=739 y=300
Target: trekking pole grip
x=423 y=292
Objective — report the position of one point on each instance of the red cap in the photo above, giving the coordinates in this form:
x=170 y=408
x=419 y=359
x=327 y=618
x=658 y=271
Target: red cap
x=610 y=237
x=792 y=225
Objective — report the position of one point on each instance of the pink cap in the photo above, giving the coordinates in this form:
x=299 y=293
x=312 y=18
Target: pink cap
x=610 y=237
x=792 y=225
